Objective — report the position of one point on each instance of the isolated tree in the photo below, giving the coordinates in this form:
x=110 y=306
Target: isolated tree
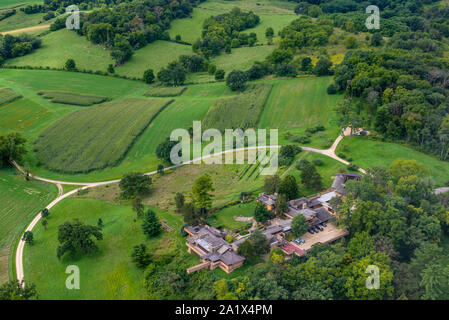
x=138 y=206
x=70 y=65
x=179 y=200
x=269 y=33
x=201 y=193
x=299 y=225
x=271 y=184
x=12 y=147
x=163 y=150
x=236 y=80
x=151 y=226
x=44 y=223
x=140 y=257
x=76 y=237
x=191 y=214
x=14 y=290
x=322 y=67
x=45 y=213
x=100 y=223
x=111 y=68
x=261 y=214
x=219 y=74
x=134 y=184
x=306 y=63
x=28 y=237
x=311 y=178
x=289 y=187
x=148 y=76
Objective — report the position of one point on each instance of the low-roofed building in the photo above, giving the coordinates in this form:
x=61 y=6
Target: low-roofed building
x=341 y=178
x=268 y=200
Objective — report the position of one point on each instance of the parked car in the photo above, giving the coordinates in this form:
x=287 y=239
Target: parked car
x=324 y=224
x=315 y=229
x=301 y=240
x=310 y=231
x=319 y=227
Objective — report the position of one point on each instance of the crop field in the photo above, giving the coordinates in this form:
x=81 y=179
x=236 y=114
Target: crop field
x=95 y=138
x=7 y=95
x=72 y=98
x=165 y=91
x=242 y=111
x=109 y=274
x=367 y=153
x=55 y=51
x=21 y=115
x=297 y=104
x=154 y=56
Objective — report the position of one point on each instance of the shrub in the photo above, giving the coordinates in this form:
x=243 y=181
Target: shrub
x=318 y=162
x=332 y=89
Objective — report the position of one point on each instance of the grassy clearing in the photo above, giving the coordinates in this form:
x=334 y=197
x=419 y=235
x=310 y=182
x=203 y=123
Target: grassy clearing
x=165 y=91
x=154 y=56
x=242 y=111
x=242 y=58
x=297 y=104
x=72 y=98
x=109 y=274
x=225 y=218
x=95 y=138
x=22 y=114
x=61 y=45
x=367 y=153
x=15 y=3
x=7 y=95
x=21 y=20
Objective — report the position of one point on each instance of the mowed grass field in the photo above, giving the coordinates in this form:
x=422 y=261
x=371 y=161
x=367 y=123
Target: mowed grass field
x=242 y=111
x=21 y=115
x=367 y=153
x=95 y=138
x=242 y=58
x=75 y=99
x=7 y=95
x=61 y=45
x=12 y=3
x=297 y=104
x=154 y=56
x=108 y=274
x=21 y=20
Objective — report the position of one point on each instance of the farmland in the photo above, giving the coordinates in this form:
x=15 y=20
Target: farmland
x=72 y=98
x=7 y=95
x=22 y=115
x=242 y=111
x=98 y=137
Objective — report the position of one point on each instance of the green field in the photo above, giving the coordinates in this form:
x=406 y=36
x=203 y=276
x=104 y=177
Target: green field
x=242 y=58
x=367 y=153
x=242 y=111
x=61 y=45
x=7 y=95
x=21 y=115
x=154 y=56
x=297 y=104
x=109 y=274
x=21 y=20
x=13 y=3
x=75 y=99
x=95 y=138
x=165 y=91
x=225 y=217
x=21 y=200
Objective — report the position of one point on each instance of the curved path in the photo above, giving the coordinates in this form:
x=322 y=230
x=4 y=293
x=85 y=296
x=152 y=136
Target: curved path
x=61 y=196
x=34 y=28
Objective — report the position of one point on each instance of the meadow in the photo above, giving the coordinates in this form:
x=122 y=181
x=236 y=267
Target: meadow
x=7 y=95
x=21 y=200
x=61 y=45
x=242 y=111
x=98 y=137
x=21 y=115
x=75 y=99
x=165 y=91
x=108 y=274
x=297 y=104
x=367 y=153
x=21 y=20
x=242 y=58
x=155 y=56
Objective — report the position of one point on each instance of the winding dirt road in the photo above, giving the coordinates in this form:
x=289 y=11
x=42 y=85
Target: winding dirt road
x=35 y=28
x=61 y=196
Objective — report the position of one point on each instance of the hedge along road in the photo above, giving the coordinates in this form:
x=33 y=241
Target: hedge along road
x=19 y=251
